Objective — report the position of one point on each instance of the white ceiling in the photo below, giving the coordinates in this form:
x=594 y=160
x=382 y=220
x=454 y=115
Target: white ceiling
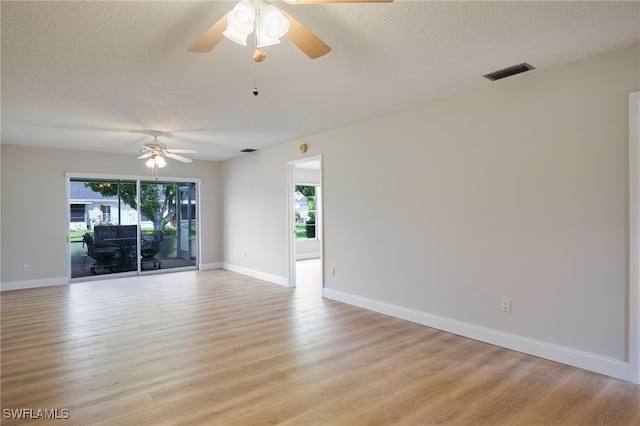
x=98 y=75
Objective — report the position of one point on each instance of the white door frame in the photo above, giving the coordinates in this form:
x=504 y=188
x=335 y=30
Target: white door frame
x=634 y=237
x=291 y=217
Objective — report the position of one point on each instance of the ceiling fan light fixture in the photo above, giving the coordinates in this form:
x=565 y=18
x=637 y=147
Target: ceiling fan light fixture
x=268 y=22
x=264 y=40
x=273 y=22
x=240 y=22
x=156 y=161
x=235 y=36
x=160 y=161
x=242 y=17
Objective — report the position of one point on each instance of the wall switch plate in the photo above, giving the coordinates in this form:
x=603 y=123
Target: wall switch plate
x=505 y=305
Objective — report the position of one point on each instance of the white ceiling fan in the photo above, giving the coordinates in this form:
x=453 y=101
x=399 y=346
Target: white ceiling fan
x=156 y=152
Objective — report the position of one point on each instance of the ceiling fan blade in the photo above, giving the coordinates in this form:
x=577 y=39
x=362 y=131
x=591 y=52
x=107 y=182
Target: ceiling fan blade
x=182 y=151
x=336 y=1
x=178 y=157
x=147 y=155
x=306 y=41
x=211 y=38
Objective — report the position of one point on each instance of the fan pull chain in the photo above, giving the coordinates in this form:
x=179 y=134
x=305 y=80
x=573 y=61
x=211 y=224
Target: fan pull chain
x=255 y=81
x=258 y=55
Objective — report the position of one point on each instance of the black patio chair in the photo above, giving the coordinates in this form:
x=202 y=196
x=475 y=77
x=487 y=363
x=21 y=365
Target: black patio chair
x=149 y=248
x=105 y=257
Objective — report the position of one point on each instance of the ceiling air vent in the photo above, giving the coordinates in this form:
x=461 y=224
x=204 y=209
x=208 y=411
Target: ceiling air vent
x=508 y=72
x=248 y=150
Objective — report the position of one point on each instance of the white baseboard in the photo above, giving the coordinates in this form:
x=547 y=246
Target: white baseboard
x=306 y=256
x=576 y=358
x=20 y=285
x=257 y=274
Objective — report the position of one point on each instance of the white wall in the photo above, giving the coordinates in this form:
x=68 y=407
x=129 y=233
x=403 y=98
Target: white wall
x=255 y=214
x=517 y=190
x=34 y=207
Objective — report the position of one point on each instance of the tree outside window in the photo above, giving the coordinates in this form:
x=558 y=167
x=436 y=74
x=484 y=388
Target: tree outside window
x=305 y=201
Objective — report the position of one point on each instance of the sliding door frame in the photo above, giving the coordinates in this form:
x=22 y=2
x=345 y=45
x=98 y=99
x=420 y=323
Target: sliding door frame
x=138 y=179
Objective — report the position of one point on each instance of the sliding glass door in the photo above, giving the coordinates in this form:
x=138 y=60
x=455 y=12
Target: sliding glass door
x=168 y=225
x=187 y=232
x=128 y=226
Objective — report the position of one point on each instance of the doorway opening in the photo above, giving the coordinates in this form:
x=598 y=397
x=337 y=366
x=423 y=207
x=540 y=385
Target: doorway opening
x=306 y=224
x=634 y=237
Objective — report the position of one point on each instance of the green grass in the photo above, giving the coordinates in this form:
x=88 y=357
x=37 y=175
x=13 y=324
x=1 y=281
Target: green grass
x=301 y=230
x=77 y=235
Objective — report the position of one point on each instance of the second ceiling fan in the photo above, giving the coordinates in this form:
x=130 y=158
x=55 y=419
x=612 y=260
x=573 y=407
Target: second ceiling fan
x=154 y=152
x=269 y=25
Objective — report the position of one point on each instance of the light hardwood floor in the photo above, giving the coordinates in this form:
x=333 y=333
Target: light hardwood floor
x=219 y=348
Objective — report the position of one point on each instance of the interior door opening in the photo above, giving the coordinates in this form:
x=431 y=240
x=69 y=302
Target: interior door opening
x=306 y=224
x=634 y=237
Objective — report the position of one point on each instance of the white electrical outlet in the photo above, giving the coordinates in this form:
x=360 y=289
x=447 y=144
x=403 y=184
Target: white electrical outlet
x=505 y=305
x=25 y=268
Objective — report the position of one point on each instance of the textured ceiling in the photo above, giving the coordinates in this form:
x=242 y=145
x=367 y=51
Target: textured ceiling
x=99 y=75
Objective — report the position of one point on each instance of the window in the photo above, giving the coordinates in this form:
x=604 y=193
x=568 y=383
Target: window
x=305 y=199
x=77 y=213
x=106 y=213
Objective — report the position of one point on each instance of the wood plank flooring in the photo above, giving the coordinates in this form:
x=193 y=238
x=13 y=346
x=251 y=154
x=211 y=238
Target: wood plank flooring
x=219 y=348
